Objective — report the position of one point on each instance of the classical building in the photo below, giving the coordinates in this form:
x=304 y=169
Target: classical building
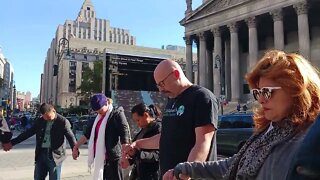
x=231 y=35
x=78 y=44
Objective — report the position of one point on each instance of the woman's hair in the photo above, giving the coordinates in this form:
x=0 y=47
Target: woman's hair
x=141 y=108
x=109 y=101
x=297 y=77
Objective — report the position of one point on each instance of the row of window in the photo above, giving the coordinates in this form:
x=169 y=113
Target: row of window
x=85 y=33
x=72 y=76
x=84 y=57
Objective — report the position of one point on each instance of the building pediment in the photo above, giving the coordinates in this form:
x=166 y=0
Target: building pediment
x=211 y=7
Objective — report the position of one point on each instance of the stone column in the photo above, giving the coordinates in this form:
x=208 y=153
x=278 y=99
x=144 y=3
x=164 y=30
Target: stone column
x=253 y=41
x=189 y=70
x=202 y=60
x=217 y=58
x=303 y=28
x=197 y=74
x=209 y=68
x=278 y=29
x=235 y=69
x=227 y=69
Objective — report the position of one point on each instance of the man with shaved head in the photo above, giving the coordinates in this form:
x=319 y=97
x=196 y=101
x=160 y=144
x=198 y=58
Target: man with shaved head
x=189 y=120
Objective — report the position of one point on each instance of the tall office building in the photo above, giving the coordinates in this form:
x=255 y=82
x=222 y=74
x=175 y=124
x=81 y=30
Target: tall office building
x=85 y=40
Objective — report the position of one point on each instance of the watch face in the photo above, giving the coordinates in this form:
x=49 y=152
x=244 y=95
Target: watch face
x=71 y=99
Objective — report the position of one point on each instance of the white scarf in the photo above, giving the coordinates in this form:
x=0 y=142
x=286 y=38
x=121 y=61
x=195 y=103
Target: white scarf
x=97 y=162
x=3 y=125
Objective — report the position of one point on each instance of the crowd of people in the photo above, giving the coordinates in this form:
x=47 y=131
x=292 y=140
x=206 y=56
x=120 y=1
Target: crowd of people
x=180 y=141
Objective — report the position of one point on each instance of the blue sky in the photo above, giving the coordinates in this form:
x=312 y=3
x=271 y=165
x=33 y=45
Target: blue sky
x=27 y=28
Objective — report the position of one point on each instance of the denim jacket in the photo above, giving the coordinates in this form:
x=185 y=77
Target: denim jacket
x=275 y=167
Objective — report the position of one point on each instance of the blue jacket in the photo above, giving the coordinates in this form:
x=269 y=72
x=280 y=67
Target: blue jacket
x=306 y=164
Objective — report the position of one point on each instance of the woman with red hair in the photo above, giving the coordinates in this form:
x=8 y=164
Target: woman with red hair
x=287 y=87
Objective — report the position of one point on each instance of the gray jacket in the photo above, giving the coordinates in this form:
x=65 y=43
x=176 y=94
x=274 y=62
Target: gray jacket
x=275 y=167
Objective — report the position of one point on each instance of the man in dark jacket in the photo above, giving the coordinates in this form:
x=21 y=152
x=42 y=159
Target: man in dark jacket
x=50 y=130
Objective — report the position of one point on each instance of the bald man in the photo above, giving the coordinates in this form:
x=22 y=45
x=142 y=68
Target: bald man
x=189 y=121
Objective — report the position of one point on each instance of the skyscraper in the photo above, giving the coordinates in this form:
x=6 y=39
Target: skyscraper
x=86 y=40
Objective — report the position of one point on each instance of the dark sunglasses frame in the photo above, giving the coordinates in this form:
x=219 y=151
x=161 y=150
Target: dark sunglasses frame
x=161 y=84
x=266 y=92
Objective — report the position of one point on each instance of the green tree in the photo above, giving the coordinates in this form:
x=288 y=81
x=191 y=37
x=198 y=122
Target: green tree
x=91 y=81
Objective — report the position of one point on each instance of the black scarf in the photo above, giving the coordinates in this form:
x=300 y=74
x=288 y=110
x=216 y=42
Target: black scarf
x=254 y=152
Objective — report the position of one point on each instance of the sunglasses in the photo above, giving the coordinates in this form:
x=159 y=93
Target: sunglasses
x=266 y=92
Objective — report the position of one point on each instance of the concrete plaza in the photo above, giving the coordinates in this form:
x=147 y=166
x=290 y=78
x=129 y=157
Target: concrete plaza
x=18 y=163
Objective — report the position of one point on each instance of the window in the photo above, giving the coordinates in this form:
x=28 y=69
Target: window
x=127 y=39
x=85 y=65
x=88 y=8
x=72 y=76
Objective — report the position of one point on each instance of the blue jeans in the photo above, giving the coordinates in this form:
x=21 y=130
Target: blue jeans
x=45 y=164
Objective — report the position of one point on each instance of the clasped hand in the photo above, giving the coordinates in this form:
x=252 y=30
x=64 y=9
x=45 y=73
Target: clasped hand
x=7 y=146
x=128 y=151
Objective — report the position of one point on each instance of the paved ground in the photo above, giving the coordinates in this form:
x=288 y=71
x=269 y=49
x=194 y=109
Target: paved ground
x=18 y=163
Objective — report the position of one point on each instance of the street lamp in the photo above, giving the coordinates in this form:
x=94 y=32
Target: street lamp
x=63 y=42
x=63 y=46
x=14 y=96
x=219 y=66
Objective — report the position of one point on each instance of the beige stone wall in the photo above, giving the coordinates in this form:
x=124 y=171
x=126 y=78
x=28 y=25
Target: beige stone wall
x=89 y=35
x=77 y=46
x=234 y=18
x=222 y=15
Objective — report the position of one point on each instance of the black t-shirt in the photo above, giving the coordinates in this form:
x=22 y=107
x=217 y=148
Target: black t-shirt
x=194 y=107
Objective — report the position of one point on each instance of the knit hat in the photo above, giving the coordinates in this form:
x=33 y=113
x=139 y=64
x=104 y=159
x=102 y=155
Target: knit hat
x=98 y=101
